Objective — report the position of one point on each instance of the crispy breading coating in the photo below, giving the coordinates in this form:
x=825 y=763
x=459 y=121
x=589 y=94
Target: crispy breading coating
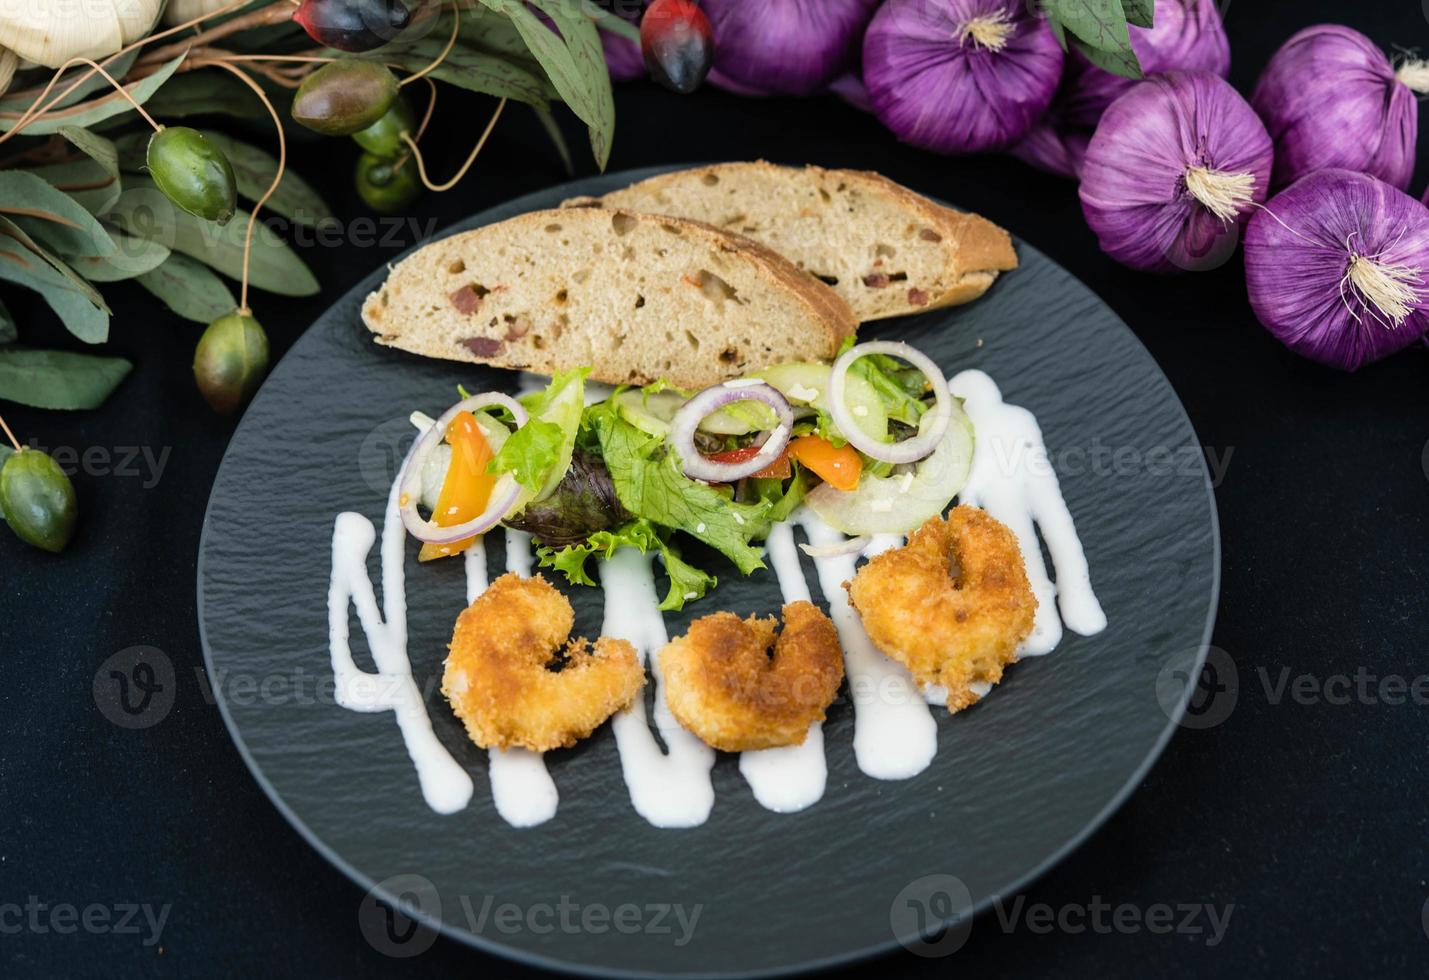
x=514 y=681
x=952 y=605
x=723 y=683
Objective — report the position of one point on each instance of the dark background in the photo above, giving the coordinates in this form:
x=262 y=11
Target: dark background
x=1308 y=816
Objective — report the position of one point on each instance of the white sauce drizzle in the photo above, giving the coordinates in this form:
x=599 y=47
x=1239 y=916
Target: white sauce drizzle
x=670 y=788
x=1013 y=480
x=792 y=777
x=895 y=734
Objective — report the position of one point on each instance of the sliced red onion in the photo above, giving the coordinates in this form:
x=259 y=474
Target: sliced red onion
x=910 y=450
x=687 y=420
x=852 y=546
x=503 y=496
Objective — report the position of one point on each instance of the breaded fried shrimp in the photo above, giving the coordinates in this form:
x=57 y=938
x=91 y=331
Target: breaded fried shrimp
x=723 y=683
x=952 y=605
x=514 y=681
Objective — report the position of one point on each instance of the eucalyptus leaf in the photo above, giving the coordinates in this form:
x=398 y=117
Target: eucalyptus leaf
x=101 y=108
x=97 y=148
x=85 y=181
x=59 y=379
x=56 y=218
x=8 y=333
x=81 y=317
x=145 y=213
x=254 y=170
x=134 y=257
x=575 y=62
x=12 y=228
x=208 y=93
x=93 y=82
x=187 y=287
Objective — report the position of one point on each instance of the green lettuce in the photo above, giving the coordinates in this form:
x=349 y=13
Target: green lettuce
x=687 y=582
x=538 y=454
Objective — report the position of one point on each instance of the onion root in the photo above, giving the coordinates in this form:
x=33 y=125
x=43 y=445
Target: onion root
x=1223 y=194
x=990 y=31
x=1390 y=289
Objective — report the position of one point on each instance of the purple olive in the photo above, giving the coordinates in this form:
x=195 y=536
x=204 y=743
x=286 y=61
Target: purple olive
x=352 y=25
x=678 y=44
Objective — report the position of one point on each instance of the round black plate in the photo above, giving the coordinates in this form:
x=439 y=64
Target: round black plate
x=1018 y=781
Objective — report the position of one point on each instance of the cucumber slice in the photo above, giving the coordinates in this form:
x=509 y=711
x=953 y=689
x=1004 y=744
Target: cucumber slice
x=653 y=413
x=565 y=408
x=808 y=384
x=901 y=503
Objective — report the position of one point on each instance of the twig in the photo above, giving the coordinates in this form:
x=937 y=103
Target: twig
x=422 y=167
x=275 y=13
x=13 y=441
x=451 y=43
x=422 y=127
x=277 y=177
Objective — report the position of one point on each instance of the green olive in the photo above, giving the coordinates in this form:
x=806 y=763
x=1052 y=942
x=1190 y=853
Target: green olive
x=344 y=97
x=384 y=137
x=385 y=187
x=230 y=361
x=38 y=500
x=193 y=173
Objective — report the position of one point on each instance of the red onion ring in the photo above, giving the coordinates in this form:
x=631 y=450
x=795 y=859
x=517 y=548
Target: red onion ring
x=910 y=450
x=852 y=546
x=698 y=466
x=503 y=496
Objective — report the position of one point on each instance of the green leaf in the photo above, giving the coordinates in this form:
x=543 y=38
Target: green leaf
x=530 y=453
x=134 y=257
x=101 y=108
x=1139 y=13
x=59 y=379
x=187 y=287
x=206 y=93
x=51 y=215
x=1123 y=63
x=145 y=213
x=81 y=317
x=609 y=21
x=558 y=139
x=8 y=333
x=97 y=148
x=254 y=170
x=76 y=281
x=575 y=62
x=91 y=187
x=1101 y=26
x=687 y=582
x=94 y=82
x=469 y=68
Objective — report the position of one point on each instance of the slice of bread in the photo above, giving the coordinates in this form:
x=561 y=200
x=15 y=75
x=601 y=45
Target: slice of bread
x=637 y=298
x=886 y=250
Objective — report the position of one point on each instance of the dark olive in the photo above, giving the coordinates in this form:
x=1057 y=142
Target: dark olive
x=385 y=187
x=193 y=172
x=344 y=97
x=352 y=25
x=678 y=43
x=230 y=361
x=384 y=137
x=38 y=500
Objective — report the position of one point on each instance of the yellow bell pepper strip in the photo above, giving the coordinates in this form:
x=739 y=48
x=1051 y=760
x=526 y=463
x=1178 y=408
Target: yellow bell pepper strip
x=467 y=488
x=840 y=467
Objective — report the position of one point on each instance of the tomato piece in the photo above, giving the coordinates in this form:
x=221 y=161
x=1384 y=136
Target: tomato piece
x=840 y=467
x=777 y=470
x=467 y=487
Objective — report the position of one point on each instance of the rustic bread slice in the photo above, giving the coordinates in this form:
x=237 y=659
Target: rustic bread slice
x=886 y=250
x=635 y=297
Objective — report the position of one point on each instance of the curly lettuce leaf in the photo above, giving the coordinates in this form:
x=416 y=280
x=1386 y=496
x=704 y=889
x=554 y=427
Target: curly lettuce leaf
x=687 y=582
x=649 y=484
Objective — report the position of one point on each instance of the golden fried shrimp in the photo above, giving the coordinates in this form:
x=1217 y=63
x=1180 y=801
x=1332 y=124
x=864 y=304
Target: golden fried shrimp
x=725 y=686
x=511 y=687
x=952 y=605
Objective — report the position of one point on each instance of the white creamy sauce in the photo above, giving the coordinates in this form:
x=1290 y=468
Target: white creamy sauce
x=895 y=734
x=669 y=788
x=1013 y=480
x=792 y=777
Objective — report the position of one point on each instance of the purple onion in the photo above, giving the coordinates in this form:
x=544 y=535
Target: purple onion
x=849 y=87
x=1330 y=98
x=1176 y=166
x=1336 y=267
x=960 y=76
x=1187 y=35
x=785 y=47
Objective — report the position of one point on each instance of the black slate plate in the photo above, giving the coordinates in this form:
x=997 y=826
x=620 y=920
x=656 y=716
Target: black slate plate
x=1018 y=781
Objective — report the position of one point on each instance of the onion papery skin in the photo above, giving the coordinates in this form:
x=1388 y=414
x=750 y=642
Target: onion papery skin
x=785 y=47
x=1187 y=35
x=1294 y=266
x=1330 y=98
x=938 y=90
x=1133 y=189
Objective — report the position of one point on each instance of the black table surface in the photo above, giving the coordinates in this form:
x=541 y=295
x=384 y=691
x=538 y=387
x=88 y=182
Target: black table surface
x=1299 y=814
